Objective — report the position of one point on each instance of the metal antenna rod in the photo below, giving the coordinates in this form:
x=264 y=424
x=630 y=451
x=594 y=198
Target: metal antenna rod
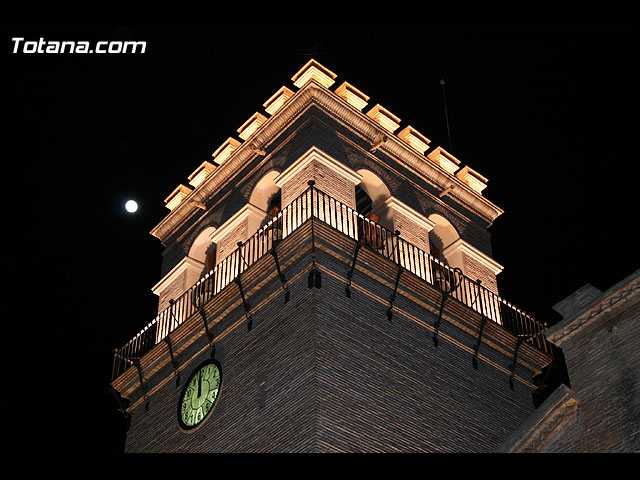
x=314 y=52
x=446 y=114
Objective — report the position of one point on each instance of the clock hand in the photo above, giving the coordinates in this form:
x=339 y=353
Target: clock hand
x=199 y=383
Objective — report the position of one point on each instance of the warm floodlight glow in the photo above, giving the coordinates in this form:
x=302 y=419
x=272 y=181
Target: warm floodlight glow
x=352 y=95
x=131 y=206
x=414 y=138
x=313 y=70
x=202 y=172
x=472 y=178
x=443 y=158
x=225 y=150
x=276 y=100
x=384 y=117
x=176 y=197
x=251 y=125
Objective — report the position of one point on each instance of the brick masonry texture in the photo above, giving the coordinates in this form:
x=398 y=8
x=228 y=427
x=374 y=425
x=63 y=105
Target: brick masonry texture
x=327 y=373
x=174 y=291
x=387 y=388
x=314 y=128
x=476 y=271
x=603 y=364
x=323 y=372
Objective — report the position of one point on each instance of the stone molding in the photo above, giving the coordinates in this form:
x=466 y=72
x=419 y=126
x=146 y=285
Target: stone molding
x=474 y=253
x=614 y=297
x=245 y=213
x=315 y=155
x=315 y=94
x=420 y=220
x=552 y=417
x=184 y=265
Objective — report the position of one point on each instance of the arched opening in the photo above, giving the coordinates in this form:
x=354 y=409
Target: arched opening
x=275 y=221
x=210 y=258
x=375 y=188
x=371 y=194
x=267 y=196
x=364 y=204
x=203 y=250
x=441 y=236
x=264 y=191
x=274 y=207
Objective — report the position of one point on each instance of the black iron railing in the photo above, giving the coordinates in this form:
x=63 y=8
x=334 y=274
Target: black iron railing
x=348 y=221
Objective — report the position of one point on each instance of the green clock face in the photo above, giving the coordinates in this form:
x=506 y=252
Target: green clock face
x=199 y=395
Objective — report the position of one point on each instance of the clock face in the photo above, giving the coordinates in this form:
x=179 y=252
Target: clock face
x=199 y=395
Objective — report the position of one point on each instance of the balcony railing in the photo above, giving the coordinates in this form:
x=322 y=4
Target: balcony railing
x=348 y=221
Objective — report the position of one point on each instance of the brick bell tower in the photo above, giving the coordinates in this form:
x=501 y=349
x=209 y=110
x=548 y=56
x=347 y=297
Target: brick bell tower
x=327 y=286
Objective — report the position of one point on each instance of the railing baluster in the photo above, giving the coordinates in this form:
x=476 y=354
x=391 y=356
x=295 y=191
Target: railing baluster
x=351 y=223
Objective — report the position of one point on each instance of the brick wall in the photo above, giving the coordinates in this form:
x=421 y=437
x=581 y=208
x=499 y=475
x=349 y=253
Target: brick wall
x=229 y=243
x=385 y=387
x=172 y=292
x=323 y=372
x=294 y=188
x=186 y=273
x=412 y=231
x=327 y=373
x=267 y=400
x=602 y=358
x=476 y=271
x=315 y=128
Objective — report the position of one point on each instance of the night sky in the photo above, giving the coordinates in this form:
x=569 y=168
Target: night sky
x=548 y=115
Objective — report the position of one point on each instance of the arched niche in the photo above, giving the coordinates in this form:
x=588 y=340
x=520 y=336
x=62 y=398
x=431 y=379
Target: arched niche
x=441 y=236
x=264 y=191
x=203 y=250
x=378 y=192
x=374 y=186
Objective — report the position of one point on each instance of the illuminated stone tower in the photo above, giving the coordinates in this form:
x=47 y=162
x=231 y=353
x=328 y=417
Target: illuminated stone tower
x=328 y=286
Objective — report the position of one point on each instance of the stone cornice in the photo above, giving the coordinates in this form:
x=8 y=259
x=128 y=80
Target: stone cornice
x=314 y=93
x=240 y=216
x=416 y=217
x=179 y=269
x=399 y=149
x=613 y=298
x=473 y=252
x=556 y=413
x=314 y=154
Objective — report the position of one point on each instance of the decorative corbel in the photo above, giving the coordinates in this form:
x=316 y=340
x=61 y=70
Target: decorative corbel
x=257 y=150
x=378 y=140
x=446 y=191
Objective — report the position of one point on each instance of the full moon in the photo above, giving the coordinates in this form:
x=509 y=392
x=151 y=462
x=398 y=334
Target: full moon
x=131 y=206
